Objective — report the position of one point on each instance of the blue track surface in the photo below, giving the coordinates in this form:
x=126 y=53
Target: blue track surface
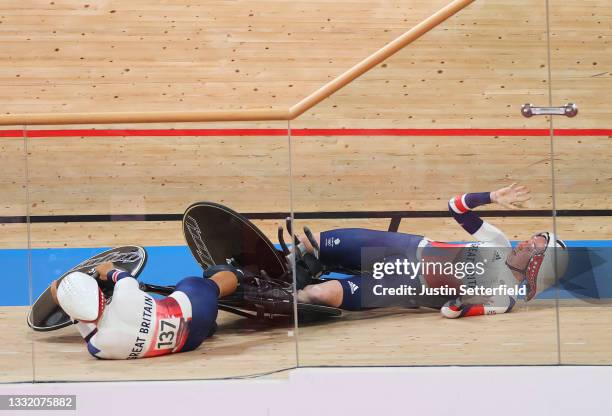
x=590 y=269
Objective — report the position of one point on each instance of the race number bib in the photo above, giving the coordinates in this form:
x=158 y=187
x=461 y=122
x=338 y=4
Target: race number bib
x=168 y=334
x=172 y=329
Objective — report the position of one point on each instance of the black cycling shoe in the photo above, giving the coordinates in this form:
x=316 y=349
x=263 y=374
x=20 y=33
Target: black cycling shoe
x=256 y=292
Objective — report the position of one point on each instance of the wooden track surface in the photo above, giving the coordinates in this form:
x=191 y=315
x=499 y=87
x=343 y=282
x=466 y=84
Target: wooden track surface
x=71 y=176
x=164 y=175
x=146 y=175
x=391 y=337
x=169 y=233
x=473 y=72
x=221 y=54
x=527 y=336
x=240 y=348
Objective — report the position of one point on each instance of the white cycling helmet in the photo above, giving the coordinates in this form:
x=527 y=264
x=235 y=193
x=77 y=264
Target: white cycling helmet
x=80 y=297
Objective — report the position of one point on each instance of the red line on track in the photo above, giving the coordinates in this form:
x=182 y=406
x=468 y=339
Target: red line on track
x=302 y=132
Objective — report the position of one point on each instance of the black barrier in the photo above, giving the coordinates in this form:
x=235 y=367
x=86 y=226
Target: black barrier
x=394 y=216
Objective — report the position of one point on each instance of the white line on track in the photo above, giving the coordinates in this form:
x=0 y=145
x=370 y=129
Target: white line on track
x=574 y=343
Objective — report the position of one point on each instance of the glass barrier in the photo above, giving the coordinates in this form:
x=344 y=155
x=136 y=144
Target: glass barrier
x=374 y=168
x=16 y=349
x=403 y=179
x=580 y=59
x=135 y=197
